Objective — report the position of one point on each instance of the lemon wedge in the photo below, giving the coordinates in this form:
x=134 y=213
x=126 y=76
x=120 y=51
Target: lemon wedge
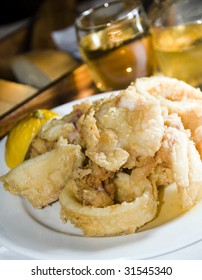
x=21 y=135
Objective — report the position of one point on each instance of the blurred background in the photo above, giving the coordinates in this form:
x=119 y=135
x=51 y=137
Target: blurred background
x=40 y=66
x=46 y=15
x=12 y=10
x=26 y=26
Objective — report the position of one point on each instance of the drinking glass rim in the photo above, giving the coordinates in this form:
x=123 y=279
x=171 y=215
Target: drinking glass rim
x=128 y=16
x=197 y=21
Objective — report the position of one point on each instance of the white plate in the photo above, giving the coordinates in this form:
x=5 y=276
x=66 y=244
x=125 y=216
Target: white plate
x=40 y=234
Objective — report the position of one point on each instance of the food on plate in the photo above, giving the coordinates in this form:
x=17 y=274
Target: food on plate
x=41 y=179
x=181 y=159
x=21 y=135
x=122 y=129
x=50 y=133
x=180 y=98
x=112 y=159
x=118 y=218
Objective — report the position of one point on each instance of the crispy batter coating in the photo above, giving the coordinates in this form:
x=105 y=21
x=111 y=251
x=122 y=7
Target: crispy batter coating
x=120 y=218
x=120 y=129
x=66 y=127
x=41 y=179
x=94 y=185
x=180 y=98
x=180 y=161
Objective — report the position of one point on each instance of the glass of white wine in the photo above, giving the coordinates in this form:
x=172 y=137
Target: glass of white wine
x=115 y=42
x=176 y=27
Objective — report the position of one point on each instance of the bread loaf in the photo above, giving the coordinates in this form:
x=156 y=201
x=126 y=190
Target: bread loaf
x=12 y=93
x=40 y=67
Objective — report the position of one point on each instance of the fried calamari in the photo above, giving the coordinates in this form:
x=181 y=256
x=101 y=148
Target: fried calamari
x=105 y=161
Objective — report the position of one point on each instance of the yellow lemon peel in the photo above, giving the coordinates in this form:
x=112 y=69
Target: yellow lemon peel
x=21 y=135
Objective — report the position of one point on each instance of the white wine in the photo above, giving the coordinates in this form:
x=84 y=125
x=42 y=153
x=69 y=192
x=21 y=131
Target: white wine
x=116 y=56
x=178 y=52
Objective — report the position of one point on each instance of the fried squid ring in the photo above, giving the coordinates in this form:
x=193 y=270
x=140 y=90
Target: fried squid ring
x=123 y=218
x=179 y=97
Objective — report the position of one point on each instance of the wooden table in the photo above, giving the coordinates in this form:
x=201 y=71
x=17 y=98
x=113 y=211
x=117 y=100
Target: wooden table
x=72 y=86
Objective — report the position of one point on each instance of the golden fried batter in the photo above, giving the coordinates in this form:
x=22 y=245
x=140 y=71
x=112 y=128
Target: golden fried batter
x=41 y=179
x=120 y=129
x=180 y=98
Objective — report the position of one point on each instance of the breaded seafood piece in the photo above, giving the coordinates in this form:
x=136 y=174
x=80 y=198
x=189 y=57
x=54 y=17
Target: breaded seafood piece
x=120 y=218
x=121 y=129
x=66 y=127
x=168 y=88
x=112 y=203
x=94 y=185
x=191 y=115
x=179 y=97
x=185 y=165
x=41 y=179
x=130 y=186
x=179 y=154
